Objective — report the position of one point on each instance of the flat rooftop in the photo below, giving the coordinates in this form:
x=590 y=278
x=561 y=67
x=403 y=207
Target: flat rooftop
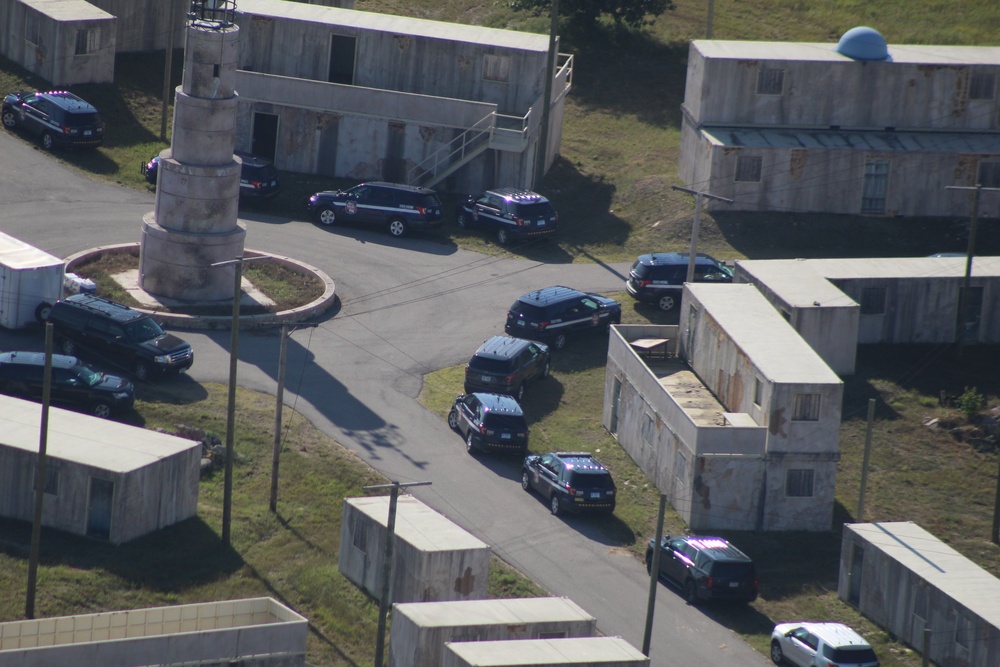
x=917 y=54
x=101 y=443
x=937 y=563
x=580 y=650
x=397 y=25
x=68 y=10
x=418 y=524
x=492 y=612
x=16 y=254
x=762 y=334
x=694 y=398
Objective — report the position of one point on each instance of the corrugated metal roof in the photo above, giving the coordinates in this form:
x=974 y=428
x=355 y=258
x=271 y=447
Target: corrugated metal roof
x=874 y=140
x=763 y=334
x=937 y=563
x=402 y=25
x=920 y=54
x=418 y=524
x=492 y=612
x=92 y=441
x=582 y=650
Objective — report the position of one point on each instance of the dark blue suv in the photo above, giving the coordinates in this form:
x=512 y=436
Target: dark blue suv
x=59 y=118
x=553 y=314
x=490 y=423
x=512 y=214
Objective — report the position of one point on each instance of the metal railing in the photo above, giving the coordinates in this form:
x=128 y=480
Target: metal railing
x=446 y=160
x=220 y=12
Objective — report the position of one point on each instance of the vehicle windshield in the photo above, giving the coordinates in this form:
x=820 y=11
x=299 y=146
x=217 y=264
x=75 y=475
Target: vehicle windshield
x=87 y=375
x=143 y=329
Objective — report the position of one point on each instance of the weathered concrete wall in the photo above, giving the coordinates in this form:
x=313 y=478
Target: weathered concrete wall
x=829 y=179
x=905 y=580
x=42 y=37
x=711 y=472
x=433 y=558
x=838 y=91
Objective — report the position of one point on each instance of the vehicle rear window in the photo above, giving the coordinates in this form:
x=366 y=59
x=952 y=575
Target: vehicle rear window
x=492 y=366
x=591 y=480
x=850 y=656
x=535 y=210
x=640 y=270
x=731 y=570
x=528 y=310
x=511 y=422
x=428 y=200
x=82 y=119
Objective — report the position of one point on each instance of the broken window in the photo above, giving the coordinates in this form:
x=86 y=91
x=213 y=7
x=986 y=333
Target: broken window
x=805 y=408
x=748 y=168
x=875 y=187
x=496 y=68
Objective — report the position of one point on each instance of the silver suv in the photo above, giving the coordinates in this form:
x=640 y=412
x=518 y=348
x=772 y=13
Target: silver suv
x=820 y=645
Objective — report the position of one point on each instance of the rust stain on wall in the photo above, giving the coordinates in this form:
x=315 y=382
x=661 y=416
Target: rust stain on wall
x=961 y=98
x=749 y=64
x=777 y=423
x=966 y=168
x=464 y=63
x=427 y=133
x=703 y=494
x=797 y=161
x=402 y=42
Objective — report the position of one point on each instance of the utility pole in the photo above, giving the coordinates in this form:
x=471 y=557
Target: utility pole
x=708 y=23
x=654 y=577
x=864 y=462
x=550 y=66
x=276 y=453
x=698 y=196
x=390 y=532
x=234 y=344
x=961 y=319
x=168 y=67
x=40 y=476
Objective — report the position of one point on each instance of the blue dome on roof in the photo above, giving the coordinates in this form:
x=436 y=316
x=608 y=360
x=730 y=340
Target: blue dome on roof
x=863 y=43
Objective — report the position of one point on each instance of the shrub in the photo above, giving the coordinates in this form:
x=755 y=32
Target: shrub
x=971 y=402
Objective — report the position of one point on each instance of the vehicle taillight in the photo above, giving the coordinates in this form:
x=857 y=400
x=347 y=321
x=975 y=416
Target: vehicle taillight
x=421 y=210
x=573 y=492
x=482 y=429
x=507 y=379
x=643 y=283
x=66 y=129
x=708 y=583
x=257 y=184
x=542 y=325
x=519 y=221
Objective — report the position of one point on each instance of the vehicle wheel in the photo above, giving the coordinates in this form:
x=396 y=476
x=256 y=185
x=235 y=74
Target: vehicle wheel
x=559 y=342
x=9 y=120
x=545 y=370
x=462 y=220
x=42 y=311
x=469 y=447
x=326 y=216
x=525 y=481
x=47 y=141
x=554 y=505
x=100 y=409
x=397 y=228
x=777 y=657
x=649 y=562
x=68 y=347
x=453 y=419
x=502 y=237
x=666 y=302
x=519 y=393
x=690 y=592
x=141 y=370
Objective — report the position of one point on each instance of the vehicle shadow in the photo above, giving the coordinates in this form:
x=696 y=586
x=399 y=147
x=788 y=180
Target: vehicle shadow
x=430 y=242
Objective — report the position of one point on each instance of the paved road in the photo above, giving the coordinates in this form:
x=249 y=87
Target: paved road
x=357 y=375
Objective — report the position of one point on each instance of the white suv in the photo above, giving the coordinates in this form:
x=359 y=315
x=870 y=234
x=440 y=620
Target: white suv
x=820 y=645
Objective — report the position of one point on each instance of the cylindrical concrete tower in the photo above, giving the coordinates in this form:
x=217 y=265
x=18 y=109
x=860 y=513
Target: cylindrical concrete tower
x=195 y=221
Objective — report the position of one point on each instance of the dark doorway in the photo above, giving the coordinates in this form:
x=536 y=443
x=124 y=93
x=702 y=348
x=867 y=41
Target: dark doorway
x=342 y=50
x=855 y=574
x=265 y=135
x=102 y=493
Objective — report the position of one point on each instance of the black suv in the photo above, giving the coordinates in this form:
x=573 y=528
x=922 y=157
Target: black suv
x=60 y=118
x=118 y=334
x=258 y=177
x=510 y=213
x=658 y=278
x=705 y=568
x=74 y=384
x=571 y=481
x=554 y=313
x=505 y=365
x=396 y=207
x=490 y=423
